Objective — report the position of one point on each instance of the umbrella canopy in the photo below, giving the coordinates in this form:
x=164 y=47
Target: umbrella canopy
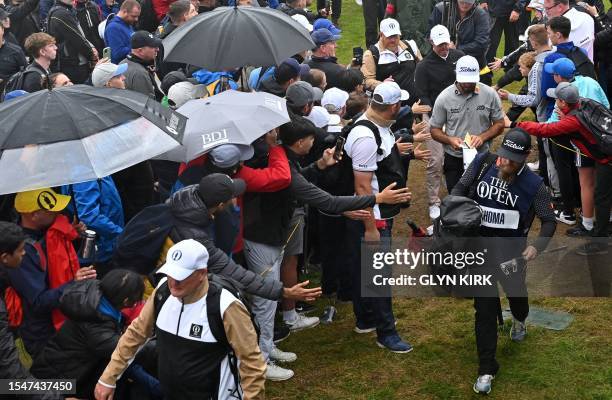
x=229 y=117
x=233 y=37
x=80 y=133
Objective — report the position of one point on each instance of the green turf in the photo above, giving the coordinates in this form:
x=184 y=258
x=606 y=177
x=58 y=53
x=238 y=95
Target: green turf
x=335 y=363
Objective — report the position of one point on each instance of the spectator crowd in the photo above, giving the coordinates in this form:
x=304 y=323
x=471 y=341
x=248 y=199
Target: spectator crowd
x=243 y=222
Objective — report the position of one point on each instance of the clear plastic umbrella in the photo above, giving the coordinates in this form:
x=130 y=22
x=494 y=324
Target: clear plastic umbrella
x=79 y=133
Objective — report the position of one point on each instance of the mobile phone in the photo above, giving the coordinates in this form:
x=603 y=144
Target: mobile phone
x=358 y=55
x=340 y=140
x=106 y=53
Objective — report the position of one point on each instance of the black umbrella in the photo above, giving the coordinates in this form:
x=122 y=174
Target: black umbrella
x=79 y=133
x=233 y=37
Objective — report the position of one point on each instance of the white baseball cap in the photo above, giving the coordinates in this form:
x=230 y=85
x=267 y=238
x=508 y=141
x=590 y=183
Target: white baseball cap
x=303 y=21
x=181 y=92
x=390 y=27
x=321 y=118
x=439 y=34
x=184 y=258
x=389 y=93
x=468 y=70
x=334 y=99
x=536 y=5
x=104 y=72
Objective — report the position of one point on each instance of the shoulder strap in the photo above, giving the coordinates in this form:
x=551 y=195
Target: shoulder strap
x=161 y=295
x=486 y=163
x=375 y=53
x=213 y=312
x=409 y=49
x=371 y=126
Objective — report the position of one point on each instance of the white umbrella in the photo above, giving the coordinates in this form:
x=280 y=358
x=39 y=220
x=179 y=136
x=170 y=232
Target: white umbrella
x=228 y=117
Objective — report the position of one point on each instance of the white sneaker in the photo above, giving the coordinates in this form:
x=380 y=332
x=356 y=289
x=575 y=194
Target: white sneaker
x=276 y=373
x=359 y=3
x=534 y=166
x=302 y=322
x=434 y=211
x=282 y=356
x=430 y=230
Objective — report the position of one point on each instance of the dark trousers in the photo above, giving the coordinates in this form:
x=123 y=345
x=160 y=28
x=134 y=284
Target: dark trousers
x=603 y=199
x=369 y=311
x=336 y=277
x=336 y=7
x=543 y=168
x=565 y=164
x=511 y=34
x=373 y=13
x=487 y=310
x=453 y=170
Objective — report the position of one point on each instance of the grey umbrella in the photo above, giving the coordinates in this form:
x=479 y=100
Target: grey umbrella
x=229 y=117
x=233 y=37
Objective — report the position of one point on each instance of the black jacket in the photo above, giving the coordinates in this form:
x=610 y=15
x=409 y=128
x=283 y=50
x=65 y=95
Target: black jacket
x=88 y=14
x=11 y=60
x=71 y=41
x=603 y=37
x=192 y=222
x=83 y=346
x=473 y=36
x=330 y=66
x=33 y=82
x=434 y=74
x=267 y=215
x=270 y=85
x=10 y=366
x=503 y=8
x=24 y=19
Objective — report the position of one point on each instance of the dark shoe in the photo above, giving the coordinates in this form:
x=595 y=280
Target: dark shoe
x=592 y=249
x=578 y=231
x=304 y=308
x=281 y=332
x=395 y=344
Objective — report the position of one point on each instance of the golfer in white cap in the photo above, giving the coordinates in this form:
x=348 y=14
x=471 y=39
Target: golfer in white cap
x=467 y=106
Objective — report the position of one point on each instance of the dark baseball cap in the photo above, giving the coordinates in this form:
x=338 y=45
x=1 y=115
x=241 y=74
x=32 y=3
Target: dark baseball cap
x=322 y=36
x=565 y=91
x=290 y=69
x=301 y=93
x=219 y=188
x=515 y=146
x=144 y=39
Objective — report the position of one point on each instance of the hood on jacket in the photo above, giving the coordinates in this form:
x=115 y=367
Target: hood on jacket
x=81 y=299
x=270 y=85
x=187 y=206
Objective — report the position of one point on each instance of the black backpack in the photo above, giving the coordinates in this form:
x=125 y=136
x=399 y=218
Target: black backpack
x=597 y=118
x=338 y=179
x=139 y=246
x=216 y=284
x=582 y=62
x=16 y=81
